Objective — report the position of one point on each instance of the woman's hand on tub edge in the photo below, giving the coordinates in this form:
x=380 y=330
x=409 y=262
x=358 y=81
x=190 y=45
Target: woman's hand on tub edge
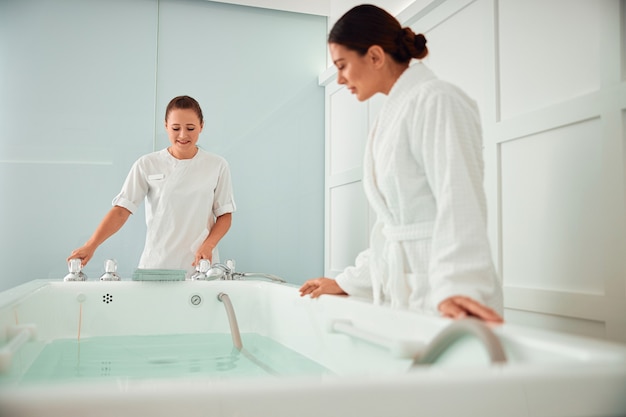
x=459 y=307
x=318 y=286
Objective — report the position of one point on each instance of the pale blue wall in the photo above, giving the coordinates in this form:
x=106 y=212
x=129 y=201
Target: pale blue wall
x=83 y=88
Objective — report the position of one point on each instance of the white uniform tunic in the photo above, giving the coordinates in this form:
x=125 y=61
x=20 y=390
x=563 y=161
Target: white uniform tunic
x=423 y=175
x=183 y=199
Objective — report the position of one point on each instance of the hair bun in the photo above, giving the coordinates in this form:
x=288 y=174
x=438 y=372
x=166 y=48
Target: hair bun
x=406 y=35
x=420 y=41
x=411 y=45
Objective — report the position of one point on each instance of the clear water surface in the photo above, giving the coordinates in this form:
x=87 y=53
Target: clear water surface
x=166 y=356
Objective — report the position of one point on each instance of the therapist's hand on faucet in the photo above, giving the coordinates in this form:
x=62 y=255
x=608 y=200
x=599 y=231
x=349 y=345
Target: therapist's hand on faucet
x=112 y=222
x=460 y=307
x=204 y=252
x=84 y=253
x=319 y=286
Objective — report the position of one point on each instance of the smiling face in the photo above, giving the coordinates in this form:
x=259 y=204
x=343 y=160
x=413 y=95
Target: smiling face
x=356 y=71
x=183 y=129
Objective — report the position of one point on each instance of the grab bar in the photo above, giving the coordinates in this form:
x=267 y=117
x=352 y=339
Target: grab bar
x=18 y=335
x=423 y=354
x=232 y=320
x=400 y=348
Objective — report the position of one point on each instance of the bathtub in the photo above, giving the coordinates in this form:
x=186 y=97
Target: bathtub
x=364 y=353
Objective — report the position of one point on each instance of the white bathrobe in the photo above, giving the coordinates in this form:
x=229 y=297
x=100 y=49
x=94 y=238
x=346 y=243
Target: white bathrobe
x=423 y=176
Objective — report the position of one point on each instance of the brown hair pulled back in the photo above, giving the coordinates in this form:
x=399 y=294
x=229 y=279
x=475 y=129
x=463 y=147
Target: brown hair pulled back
x=184 y=102
x=367 y=25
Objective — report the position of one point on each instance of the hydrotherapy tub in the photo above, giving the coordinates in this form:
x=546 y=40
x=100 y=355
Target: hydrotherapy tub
x=547 y=374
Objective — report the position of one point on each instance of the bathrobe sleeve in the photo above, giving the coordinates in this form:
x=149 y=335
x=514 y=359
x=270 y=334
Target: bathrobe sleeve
x=355 y=280
x=451 y=151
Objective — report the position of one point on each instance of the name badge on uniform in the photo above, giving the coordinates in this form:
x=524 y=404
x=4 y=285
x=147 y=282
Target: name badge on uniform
x=156 y=177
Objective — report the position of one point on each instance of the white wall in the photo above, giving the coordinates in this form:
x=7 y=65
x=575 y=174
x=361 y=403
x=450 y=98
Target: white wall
x=317 y=7
x=553 y=105
x=83 y=90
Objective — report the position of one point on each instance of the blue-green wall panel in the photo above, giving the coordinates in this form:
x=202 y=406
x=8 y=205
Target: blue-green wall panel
x=255 y=72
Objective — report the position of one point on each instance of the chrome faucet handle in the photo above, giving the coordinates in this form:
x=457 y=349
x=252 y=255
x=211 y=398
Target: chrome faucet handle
x=203 y=266
x=110 y=271
x=201 y=270
x=75 y=266
x=230 y=263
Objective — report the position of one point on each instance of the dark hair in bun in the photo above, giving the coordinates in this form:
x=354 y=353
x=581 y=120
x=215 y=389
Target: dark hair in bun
x=367 y=25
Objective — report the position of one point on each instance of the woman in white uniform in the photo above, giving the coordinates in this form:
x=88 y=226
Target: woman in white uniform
x=423 y=173
x=188 y=195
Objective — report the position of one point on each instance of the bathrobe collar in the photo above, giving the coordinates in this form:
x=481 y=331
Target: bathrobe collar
x=409 y=79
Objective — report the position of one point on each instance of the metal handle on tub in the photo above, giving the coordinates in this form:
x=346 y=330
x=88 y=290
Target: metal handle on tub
x=423 y=354
x=226 y=272
x=110 y=271
x=75 y=267
x=401 y=348
x=17 y=335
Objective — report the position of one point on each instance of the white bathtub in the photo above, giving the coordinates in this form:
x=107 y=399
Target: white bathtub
x=547 y=374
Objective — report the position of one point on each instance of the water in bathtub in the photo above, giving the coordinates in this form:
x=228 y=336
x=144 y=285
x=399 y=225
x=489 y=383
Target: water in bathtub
x=165 y=356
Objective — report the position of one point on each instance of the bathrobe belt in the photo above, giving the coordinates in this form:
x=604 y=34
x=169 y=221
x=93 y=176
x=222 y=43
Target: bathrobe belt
x=414 y=231
x=397 y=286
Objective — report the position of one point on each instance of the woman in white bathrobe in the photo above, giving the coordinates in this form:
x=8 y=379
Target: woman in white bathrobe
x=187 y=192
x=423 y=173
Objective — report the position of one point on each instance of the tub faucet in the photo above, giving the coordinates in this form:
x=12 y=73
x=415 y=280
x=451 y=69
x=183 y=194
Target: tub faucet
x=226 y=272
x=202 y=269
x=223 y=271
x=76 y=273
x=110 y=271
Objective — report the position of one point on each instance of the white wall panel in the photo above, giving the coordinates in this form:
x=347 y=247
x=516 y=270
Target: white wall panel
x=460 y=59
x=587 y=328
x=549 y=51
x=349 y=223
x=347 y=210
x=348 y=131
x=551 y=197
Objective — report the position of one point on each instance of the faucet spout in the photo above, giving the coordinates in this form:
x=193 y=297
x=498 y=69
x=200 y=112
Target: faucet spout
x=226 y=272
x=220 y=271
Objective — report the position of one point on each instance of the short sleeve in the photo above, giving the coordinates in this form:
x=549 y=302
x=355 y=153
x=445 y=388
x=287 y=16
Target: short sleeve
x=223 y=200
x=134 y=189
